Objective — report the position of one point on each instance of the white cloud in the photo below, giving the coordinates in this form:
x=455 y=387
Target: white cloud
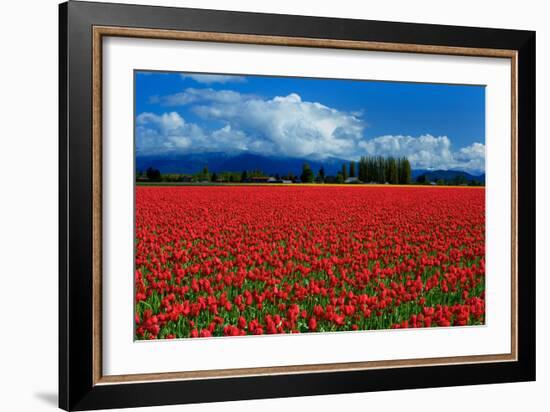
x=214 y=78
x=166 y=122
x=474 y=151
x=428 y=152
x=284 y=125
x=288 y=126
x=170 y=133
x=192 y=95
x=165 y=133
x=472 y=157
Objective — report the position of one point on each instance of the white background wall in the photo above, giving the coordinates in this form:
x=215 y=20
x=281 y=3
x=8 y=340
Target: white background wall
x=28 y=203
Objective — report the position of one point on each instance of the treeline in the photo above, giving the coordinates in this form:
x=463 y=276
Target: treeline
x=155 y=175
x=379 y=169
x=369 y=169
x=458 y=180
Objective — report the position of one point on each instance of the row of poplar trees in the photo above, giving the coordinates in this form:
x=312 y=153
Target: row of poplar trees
x=380 y=169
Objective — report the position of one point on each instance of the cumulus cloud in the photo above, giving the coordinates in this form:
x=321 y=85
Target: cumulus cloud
x=288 y=126
x=472 y=157
x=214 y=78
x=170 y=133
x=428 y=152
x=165 y=133
x=291 y=126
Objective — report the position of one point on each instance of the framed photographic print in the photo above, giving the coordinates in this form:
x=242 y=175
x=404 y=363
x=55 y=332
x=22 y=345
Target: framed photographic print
x=257 y=205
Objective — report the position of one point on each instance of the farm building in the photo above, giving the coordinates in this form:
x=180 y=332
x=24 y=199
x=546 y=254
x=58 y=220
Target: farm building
x=257 y=179
x=283 y=181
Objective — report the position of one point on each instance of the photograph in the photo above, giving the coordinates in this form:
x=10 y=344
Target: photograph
x=281 y=205
x=263 y=205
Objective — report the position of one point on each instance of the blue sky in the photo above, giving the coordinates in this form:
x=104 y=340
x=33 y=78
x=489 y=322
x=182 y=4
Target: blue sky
x=435 y=126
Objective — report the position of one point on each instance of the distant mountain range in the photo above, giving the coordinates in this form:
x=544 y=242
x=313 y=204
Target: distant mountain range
x=191 y=163
x=223 y=162
x=434 y=175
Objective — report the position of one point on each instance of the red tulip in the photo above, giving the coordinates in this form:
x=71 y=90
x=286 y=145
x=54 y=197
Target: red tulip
x=229 y=260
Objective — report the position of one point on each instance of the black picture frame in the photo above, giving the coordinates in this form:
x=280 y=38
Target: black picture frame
x=77 y=390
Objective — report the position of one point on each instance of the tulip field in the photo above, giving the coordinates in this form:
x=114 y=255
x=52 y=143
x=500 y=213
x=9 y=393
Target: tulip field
x=251 y=260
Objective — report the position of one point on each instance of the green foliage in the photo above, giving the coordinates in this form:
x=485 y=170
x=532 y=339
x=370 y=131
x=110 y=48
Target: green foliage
x=352 y=169
x=378 y=169
x=289 y=176
x=404 y=171
x=203 y=176
x=391 y=171
x=459 y=180
x=307 y=174
x=153 y=174
x=256 y=173
x=172 y=177
x=321 y=175
x=369 y=169
x=422 y=179
x=344 y=172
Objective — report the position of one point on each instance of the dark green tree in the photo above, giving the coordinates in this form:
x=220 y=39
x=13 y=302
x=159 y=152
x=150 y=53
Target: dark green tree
x=422 y=179
x=352 y=169
x=344 y=172
x=391 y=171
x=459 y=180
x=153 y=174
x=289 y=176
x=307 y=175
x=404 y=171
x=370 y=169
x=381 y=169
x=322 y=174
x=362 y=169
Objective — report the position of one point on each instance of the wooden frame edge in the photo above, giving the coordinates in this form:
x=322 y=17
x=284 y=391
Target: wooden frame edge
x=98 y=32
x=514 y=203
x=97 y=230
x=297 y=41
x=297 y=369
